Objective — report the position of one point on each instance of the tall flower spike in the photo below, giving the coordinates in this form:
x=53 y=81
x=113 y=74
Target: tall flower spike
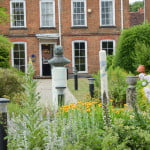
x=106 y=115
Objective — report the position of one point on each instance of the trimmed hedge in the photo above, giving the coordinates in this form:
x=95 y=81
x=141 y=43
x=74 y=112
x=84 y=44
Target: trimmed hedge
x=127 y=44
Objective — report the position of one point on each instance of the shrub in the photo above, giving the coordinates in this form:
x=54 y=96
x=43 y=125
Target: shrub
x=4 y=52
x=110 y=59
x=116 y=84
x=11 y=84
x=142 y=101
x=127 y=44
x=142 y=55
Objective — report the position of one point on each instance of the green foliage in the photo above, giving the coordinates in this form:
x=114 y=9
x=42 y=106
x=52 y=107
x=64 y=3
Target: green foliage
x=97 y=84
x=116 y=84
x=4 y=17
x=136 y=5
x=4 y=52
x=11 y=85
x=142 y=55
x=127 y=44
x=29 y=128
x=75 y=127
x=110 y=59
x=5 y=44
x=142 y=101
x=125 y=136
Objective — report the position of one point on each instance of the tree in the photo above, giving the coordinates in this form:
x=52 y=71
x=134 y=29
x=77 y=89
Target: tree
x=136 y=5
x=3 y=15
x=125 y=54
x=5 y=44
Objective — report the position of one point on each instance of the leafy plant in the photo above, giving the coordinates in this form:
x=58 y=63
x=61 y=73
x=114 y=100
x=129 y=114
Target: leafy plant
x=142 y=101
x=142 y=55
x=116 y=84
x=4 y=51
x=11 y=84
x=4 y=17
x=128 y=40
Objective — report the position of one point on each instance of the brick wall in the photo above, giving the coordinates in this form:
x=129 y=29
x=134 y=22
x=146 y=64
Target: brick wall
x=93 y=33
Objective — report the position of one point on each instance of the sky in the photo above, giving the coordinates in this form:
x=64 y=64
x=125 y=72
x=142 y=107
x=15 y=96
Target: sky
x=132 y=1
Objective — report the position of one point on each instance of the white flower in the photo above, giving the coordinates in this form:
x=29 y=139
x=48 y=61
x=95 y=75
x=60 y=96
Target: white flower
x=144 y=83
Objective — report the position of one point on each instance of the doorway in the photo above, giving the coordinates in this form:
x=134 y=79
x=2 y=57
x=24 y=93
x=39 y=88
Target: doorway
x=47 y=53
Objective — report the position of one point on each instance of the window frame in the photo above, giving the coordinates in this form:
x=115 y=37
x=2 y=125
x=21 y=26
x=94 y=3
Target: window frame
x=11 y=14
x=108 y=40
x=113 y=11
x=85 y=13
x=73 y=55
x=25 y=51
x=54 y=22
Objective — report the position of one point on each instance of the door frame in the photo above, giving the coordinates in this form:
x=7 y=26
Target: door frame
x=40 y=54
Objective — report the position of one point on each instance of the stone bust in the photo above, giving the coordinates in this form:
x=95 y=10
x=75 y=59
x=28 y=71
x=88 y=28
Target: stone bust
x=58 y=50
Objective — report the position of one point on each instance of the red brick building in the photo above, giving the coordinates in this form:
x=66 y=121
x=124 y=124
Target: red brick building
x=137 y=18
x=82 y=27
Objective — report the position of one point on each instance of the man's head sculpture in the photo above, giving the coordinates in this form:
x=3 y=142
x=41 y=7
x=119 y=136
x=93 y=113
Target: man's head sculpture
x=58 y=60
x=58 y=50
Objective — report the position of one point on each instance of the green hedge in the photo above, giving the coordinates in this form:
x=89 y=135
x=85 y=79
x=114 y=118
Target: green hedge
x=127 y=45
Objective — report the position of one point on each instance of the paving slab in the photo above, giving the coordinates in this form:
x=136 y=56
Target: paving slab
x=44 y=87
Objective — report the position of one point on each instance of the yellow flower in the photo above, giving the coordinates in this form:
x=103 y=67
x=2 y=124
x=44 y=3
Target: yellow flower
x=88 y=110
x=100 y=105
x=117 y=112
x=110 y=100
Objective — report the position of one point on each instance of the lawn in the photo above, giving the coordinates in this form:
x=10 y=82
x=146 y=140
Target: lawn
x=83 y=88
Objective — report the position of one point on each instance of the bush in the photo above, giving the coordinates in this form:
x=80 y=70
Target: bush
x=116 y=84
x=11 y=84
x=124 y=57
x=142 y=55
x=142 y=101
x=4 y=52
x=110 y=59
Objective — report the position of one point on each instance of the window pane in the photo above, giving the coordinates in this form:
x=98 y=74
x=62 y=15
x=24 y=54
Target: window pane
x=82 y=53
x=104 y=45
x=16 y=54
x=82 y=67
x=82 y=60
x=77 y=61
x=22 y=68
x=110 y=51
x=76 y=45
x=110 y=44
x=16 y=62
x=22 y=55
x=76 y=53
x=82 y=45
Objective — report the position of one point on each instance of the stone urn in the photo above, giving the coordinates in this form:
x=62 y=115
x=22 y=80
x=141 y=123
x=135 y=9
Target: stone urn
x=131 y=80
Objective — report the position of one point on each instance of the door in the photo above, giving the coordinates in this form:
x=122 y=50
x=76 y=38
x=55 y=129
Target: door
x=47 y=53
